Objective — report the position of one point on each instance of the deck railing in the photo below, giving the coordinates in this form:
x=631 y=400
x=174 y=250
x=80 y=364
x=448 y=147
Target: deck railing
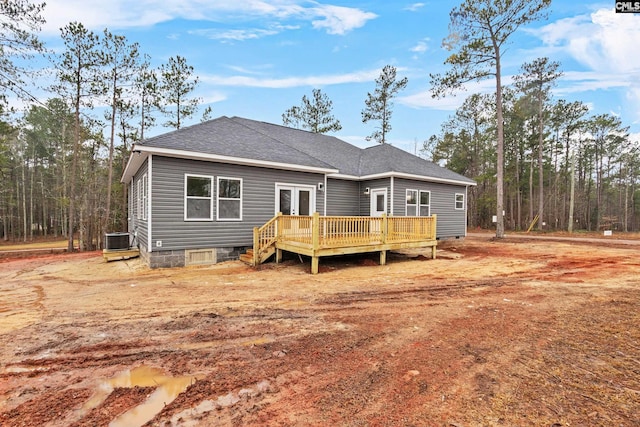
x=319 y=232
x=264 y=237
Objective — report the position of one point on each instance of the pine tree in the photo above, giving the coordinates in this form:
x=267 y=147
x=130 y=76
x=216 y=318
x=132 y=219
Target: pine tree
x=379 y=105
x=479 y=31
x=314 y=115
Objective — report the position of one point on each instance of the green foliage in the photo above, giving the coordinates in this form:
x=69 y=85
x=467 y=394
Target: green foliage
x=176 y=84
x=379 y=105
x=146 y=86
x=78 y=67
x=19 y=21
x=479 y=31
x=313 y=115
x=206 y=114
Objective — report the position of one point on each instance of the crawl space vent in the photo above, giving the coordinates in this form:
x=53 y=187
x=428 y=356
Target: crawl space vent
x=200 y=257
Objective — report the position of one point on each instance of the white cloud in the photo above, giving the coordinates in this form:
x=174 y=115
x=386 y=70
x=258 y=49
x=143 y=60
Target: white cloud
x=582 y=81
x=421 y=47
x=114 y=14
x=213 y=97
x=603 y=41
x=414 y=7
x=340 y=20
x=287 y=82
x=237 y=34
x=605 y=44
x=424 y=99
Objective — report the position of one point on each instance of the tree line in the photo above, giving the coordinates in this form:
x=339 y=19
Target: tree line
x=61 y=161
x=538 y=161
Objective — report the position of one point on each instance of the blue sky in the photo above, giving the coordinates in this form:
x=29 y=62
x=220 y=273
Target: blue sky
x=257 y=58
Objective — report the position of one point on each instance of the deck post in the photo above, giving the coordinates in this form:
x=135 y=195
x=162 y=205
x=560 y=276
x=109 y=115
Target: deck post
x=433 y=226
x=433 y=235
x=385 y=228
x=315 y=242
x=278 y=256
x=256 y=246
x=383 y=257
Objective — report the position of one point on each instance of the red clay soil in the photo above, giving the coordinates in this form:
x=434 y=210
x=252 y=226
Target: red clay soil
x=491 y=333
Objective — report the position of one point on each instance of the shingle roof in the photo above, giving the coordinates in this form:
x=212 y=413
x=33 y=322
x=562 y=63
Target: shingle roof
x=249 y=139
x=227 y=137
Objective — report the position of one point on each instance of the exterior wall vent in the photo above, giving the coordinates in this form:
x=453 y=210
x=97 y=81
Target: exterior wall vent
x=200 y=257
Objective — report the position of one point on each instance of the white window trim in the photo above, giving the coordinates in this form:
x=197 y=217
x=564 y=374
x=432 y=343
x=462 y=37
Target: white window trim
x=418 y=205
x=293 y=187
x=407 y=204
x=145 y=196
x=191 y=175
x=138 y=206
x=455 y=201
x=218 y=198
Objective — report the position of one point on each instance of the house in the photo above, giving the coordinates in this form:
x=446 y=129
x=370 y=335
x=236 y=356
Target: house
x=195 y=194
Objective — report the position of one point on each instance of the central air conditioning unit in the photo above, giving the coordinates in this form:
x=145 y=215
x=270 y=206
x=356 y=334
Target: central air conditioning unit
x=116 y=241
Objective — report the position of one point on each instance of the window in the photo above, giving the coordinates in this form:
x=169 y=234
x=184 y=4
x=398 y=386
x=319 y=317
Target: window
x=139 y=199
x=198 y=198
x=459 y=201
x=425 y=203
x=229 y=199
x=412 y=203
x=145 y=192
x=418 y=203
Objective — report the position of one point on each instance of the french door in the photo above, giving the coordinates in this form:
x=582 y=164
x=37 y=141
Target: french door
x=295 y=199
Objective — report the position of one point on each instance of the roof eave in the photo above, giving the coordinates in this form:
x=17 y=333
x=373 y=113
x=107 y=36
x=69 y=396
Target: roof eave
x=403 y=175
x=141 y=152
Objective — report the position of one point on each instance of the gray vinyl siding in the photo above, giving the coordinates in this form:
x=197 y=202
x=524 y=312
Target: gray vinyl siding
x=343 y=197
x=365 y=201
x=258 y=203
x=138 y=227
x=451 y=222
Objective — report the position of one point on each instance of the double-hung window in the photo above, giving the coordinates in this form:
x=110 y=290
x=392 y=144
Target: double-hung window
x=229 y=199
x=418 y=203
x=425 y=203
x=459 y=201
x=198 y=203
x=141 y=198
x=138 y=199
x=145 y=195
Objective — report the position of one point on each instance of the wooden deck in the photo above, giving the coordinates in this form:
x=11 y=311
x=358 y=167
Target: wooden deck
x=317 y=236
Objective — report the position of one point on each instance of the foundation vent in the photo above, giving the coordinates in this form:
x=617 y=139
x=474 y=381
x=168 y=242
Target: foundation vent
x=200 y=257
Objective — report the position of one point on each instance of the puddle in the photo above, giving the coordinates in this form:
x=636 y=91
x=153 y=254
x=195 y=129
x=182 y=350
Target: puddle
x=167 y=389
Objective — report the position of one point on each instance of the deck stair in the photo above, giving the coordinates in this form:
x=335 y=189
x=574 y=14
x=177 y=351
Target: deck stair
x=249 y=258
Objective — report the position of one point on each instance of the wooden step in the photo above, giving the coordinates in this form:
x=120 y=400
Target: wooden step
x=247 y=258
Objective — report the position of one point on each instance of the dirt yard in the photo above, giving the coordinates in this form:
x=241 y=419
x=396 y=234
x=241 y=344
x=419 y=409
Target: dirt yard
x=511 y=333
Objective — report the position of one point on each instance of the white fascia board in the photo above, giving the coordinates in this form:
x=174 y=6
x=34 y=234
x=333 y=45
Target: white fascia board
x=136 y=158
x=401 y=175
x=168 y=152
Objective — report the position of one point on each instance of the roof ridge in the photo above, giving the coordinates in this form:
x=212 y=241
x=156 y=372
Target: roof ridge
x=235 y=120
